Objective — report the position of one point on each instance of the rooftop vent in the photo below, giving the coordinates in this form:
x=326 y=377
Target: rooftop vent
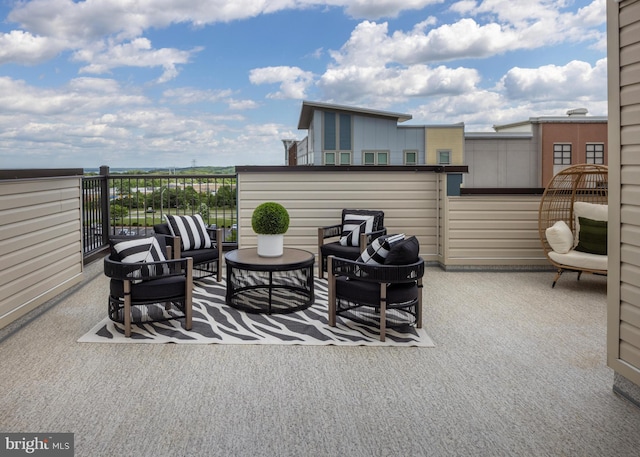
x=577 y=112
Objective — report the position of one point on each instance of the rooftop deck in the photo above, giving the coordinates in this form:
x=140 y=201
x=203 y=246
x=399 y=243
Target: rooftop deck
x=505 y=378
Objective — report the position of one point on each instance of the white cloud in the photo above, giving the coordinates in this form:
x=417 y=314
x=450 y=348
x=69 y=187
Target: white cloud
x=574 y=81
x=293 y=81
x=23 y=47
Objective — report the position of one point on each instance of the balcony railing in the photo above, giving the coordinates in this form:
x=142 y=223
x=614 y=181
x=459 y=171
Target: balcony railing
x=130 y=204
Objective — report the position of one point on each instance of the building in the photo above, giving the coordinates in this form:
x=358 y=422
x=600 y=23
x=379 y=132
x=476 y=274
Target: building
x=344 y=135
x=561 y=141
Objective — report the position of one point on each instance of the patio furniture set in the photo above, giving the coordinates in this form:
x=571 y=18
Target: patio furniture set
x=373 y=278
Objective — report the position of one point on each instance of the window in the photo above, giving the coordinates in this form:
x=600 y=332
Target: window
x=337 y=132
x=562 y=154
x=411 y=157
x=375 y=157
x=329 y=158
x=335 y=158
x=595 y=153
x=444 y=156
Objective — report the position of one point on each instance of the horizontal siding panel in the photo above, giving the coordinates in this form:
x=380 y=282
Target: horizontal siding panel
x=629 y=194
x=12 y=201
x=629 y=15
x=27 y=187
x=630 y=35
x=630 y=174
x=630 y=334
x=495 y=215
x=463 y=224
x=69 y=240
x=39 y=225
x=630 y=155
x=630 y=273
x=630 y=254
x=630 y=354
x=21 y=276
x=630 y=134
x=630 y=115
x=26 y=213
x=630 y=53
x=494 y=244
x=474 y=235
x=629 y=213
x=630 y=234
x=630 y=314
x=38 y=286
x=630 y=294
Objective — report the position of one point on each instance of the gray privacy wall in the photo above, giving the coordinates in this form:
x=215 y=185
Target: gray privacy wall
x=455 y=231
x=40 y=238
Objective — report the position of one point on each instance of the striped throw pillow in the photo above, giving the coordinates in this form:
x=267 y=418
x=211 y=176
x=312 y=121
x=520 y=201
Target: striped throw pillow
x=191 y=230
x=353 y=226
x=142 y=250
x=378 y=250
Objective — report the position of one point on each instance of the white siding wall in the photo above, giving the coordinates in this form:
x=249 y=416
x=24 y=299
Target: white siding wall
x=624 y=195
x=454 y=231
x=492 y=231
x=40 y=242
x=316 y=199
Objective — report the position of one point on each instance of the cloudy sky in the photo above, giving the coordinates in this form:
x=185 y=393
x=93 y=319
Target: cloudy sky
x=177 y=83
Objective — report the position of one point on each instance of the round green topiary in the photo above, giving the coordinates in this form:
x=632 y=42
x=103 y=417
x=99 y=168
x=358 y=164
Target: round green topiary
x=270 y=218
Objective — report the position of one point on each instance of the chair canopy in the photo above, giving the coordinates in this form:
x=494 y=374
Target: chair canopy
x=578 y=183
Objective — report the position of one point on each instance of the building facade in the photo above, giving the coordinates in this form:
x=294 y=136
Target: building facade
x=343 y=135
x=562 y=141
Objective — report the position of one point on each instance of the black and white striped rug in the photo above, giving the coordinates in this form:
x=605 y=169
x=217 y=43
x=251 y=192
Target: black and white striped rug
x=216 y=323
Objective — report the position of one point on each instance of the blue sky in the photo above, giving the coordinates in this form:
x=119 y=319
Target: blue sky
x=173 y=83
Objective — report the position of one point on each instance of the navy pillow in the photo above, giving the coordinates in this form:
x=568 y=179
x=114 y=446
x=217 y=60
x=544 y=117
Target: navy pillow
x=404 y=252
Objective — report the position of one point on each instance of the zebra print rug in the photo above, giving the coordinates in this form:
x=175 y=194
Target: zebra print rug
x=216 y=323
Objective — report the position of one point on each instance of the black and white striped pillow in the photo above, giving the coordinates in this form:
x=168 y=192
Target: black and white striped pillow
x=379 y=249
x=191 y=230
x=142 y=250
x=353 y=226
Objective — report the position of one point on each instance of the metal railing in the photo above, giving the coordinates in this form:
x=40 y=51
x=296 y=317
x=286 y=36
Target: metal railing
x=130 y=204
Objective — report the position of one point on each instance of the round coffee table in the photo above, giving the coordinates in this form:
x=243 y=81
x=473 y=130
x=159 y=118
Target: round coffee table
x=269 y=284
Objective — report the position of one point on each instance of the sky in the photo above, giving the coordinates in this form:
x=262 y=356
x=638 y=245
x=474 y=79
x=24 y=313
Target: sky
x=182 y=83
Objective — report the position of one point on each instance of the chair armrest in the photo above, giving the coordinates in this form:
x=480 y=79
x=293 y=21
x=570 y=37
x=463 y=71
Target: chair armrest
x=329 y=231
x=367 y=238
x=376 y=273
x=145 y=271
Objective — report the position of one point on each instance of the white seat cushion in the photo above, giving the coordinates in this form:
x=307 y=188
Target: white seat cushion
x=581 y=260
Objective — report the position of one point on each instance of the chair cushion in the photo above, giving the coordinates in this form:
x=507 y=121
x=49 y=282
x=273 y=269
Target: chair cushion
x=162 y=289
x=592 y=237
x=592 y=211
x=162 y=229
x=377 y=252
x=353 y=225
x=141 y=250
x=338 y=250
x=580 y=260
x=201 y=255
x=405 y=252
x=559 y=237
x=369 y=292
x=191 y=230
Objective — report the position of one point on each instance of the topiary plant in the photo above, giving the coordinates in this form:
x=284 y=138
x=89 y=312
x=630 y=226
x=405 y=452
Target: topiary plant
x=270 y=218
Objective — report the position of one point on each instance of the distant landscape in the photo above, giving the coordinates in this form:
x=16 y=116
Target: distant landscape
x=164 y=171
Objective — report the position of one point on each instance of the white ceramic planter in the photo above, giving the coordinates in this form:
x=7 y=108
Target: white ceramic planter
x=270 y=245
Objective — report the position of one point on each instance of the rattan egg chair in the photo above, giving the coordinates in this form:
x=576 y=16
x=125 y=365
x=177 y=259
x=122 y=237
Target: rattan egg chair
x=579 y=183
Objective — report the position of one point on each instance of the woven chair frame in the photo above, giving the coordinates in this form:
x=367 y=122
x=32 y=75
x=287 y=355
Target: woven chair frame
x=578 y=183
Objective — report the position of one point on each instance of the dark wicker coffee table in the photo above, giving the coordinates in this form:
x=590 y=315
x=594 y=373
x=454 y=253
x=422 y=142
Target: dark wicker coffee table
x=269 y=284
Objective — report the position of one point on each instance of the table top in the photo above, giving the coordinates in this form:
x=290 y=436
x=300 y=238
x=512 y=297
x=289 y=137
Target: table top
x=249 y=258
